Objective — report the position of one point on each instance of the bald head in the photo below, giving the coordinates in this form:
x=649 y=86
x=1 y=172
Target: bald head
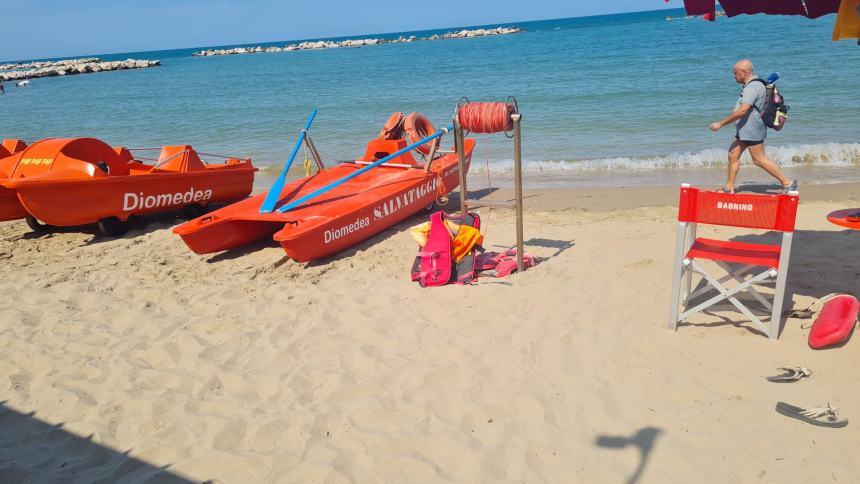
x=743 y=71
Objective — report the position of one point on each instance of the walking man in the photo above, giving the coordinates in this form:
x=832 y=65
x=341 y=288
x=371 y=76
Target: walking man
x=750 y=129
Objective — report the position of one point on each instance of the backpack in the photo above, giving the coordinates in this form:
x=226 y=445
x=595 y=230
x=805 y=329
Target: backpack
x=435 y=265
x=775 y=112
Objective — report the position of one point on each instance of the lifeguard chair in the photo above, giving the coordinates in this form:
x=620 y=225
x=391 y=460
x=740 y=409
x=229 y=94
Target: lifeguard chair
x=754 y=211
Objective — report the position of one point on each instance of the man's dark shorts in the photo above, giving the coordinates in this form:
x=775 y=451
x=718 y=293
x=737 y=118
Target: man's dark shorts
x=750 y=143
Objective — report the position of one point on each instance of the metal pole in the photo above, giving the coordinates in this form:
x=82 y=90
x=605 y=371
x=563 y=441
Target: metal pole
x=518 y=186
x=274 y=194
x=432 y=154
x=313 y=148
x=157 y=164
x=460 y=146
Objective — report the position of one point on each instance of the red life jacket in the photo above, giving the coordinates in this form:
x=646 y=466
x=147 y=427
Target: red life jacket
x=435 y=265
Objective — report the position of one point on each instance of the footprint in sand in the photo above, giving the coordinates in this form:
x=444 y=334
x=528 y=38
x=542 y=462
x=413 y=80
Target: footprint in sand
x=172 y=351
x=214 y=388
x=640 y=264
x=20 y=383
x=230 y=436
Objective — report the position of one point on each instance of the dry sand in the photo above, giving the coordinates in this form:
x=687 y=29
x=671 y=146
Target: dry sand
x=134 y=359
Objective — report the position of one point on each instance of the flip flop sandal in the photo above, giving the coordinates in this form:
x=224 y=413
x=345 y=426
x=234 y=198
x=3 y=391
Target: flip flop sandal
x=790 y=188
x=825 y=416
x=790 y=374
x=724 y=190
x=811 y=312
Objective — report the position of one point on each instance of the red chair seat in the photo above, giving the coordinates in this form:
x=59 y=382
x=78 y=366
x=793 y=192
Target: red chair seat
x=737 y=252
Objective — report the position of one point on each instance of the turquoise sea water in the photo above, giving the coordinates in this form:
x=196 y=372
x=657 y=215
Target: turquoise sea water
x=615 y=99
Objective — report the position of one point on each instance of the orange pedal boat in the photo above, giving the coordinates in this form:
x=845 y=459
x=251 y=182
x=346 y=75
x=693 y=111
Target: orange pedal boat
x=341 y=217
x=10 y=207
x=77 y=181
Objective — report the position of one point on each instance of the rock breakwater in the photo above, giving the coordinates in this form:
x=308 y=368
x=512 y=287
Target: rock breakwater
x=31 y=70
x=330 y=44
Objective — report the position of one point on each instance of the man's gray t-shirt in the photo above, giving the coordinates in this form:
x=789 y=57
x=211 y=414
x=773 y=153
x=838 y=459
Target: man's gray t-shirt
x=751 y=127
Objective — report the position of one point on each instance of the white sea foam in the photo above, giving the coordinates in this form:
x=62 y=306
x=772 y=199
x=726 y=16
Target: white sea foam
x=824 y=154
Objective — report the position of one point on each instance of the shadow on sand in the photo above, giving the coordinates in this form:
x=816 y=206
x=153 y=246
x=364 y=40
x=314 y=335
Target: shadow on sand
x=559 y=245
x=137 y=225
x=231 y=254
x=761 y=188
x=822 y=262
x=643 y=441
x=34 y=451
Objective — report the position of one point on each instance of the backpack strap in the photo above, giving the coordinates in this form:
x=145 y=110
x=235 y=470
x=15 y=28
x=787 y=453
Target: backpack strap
x=464 y=270
x=762 y=81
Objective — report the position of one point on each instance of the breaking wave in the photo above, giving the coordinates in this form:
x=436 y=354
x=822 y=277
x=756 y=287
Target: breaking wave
x=823 y=154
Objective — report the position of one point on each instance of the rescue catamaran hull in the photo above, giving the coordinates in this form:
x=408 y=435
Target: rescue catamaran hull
x=330 y=223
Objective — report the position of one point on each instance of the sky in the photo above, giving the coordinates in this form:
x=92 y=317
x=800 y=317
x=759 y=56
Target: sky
x=59 y=28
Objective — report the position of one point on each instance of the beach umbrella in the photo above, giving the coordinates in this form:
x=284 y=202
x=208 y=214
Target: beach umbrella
x=847 y=21
x=807 y=8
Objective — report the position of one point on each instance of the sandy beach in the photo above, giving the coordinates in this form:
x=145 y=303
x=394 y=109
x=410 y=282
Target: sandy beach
x=134 y=359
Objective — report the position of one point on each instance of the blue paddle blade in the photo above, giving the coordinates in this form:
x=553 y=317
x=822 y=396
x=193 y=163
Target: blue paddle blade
x=336 y=183
x=275 y=191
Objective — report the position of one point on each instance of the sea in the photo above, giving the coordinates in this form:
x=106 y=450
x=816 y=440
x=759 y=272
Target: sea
x=609 y=100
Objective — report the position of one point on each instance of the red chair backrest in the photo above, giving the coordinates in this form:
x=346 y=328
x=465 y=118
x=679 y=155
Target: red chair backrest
x=768 y=212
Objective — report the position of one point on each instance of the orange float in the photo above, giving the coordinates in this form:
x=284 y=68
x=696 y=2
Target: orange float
x=393 y=128
x=76 y=181
x=848 y=217
x=339 y=218
x=417 y=127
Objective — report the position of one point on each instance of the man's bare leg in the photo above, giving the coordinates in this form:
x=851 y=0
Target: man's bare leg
x=735 y=151
x=761 y=159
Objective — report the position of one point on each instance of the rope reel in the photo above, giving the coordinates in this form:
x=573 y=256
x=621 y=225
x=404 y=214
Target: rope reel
x=487 y=117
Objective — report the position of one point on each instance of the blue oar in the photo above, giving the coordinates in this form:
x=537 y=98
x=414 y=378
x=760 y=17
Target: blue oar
x=275 y=192
x=371 y=166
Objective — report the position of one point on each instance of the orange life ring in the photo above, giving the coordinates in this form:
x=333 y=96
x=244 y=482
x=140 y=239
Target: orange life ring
x=418 y=127
x=393 y=128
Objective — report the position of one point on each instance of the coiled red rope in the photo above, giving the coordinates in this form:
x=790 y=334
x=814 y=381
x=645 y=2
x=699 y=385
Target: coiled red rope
x=492 y=117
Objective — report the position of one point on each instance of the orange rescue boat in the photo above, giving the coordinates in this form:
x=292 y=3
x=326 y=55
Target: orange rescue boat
x=76 y=181
x=341 y=217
